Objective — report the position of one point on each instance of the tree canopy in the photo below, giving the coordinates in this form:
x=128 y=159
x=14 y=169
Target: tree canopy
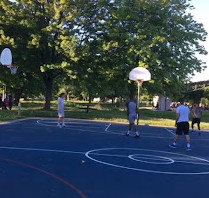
x=93 y=45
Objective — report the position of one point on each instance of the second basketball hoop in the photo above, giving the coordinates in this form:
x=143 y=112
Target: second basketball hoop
x=13 y=68
x=6 y=60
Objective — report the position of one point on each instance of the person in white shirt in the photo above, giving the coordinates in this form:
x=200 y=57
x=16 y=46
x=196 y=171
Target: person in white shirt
x=61 y=114
x=182 y=124
x=132 y=115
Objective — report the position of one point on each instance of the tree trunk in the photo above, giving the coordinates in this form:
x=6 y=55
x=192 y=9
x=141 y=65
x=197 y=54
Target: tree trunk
x=48 y=94
x=17 y=96
x=132 y=89
x=90 y=97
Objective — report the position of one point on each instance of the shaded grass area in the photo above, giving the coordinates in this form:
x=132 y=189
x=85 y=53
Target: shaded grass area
x=103 y=112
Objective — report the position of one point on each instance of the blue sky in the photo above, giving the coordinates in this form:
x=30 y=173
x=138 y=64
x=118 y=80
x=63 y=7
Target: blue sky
x=201 y=15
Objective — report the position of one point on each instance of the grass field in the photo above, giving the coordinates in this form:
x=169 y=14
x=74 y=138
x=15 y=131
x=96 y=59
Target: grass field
x=104 y=112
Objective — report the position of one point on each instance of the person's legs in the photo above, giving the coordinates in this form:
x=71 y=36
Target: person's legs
x=60 y=119
x=129 y=128
x=63 y=122
x=186 y=133
x=188 y=142
x=187 y=139
x=198 y=125
x=178 y=134
x=137 y=133
x=176 y=138
x=132 y=125
x=192 y=125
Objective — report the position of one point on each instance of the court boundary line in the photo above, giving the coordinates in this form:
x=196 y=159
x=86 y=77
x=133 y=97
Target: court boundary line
x=93 y=152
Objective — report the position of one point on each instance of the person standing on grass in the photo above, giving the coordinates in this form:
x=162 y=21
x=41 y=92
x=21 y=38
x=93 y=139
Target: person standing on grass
x=132 y=115
x=196 y=116
x=10 y=102
x=182 y=124
x=6 y=103
x=61 y=114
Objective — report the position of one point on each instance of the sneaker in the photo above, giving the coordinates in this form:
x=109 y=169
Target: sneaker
x=127 y=134
x=172 y=145
x=63 y=125
x=137 y=136
x=59 y=125
x=188 y=148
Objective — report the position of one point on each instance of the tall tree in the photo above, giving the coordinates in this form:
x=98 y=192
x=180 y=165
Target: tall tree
x=161 y=36
x=97 y=43
x=47 y=38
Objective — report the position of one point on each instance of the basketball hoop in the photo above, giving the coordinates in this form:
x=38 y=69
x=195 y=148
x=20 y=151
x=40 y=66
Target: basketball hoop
x=13 y=68
x=6 y=60
x=139 y=75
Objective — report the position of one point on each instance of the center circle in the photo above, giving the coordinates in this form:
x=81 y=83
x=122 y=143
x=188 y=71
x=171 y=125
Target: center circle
x=151 y=159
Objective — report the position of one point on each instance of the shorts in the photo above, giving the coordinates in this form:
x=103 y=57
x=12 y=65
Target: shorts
x=182 y=128
x=196 y=120
x=132 y=118
x=61 y=114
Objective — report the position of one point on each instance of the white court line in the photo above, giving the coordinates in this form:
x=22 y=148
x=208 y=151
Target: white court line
x=92 y=152
x=107 y=127
x=95 y=153
x=106 y=154
x=170 y=131
x=42 y=122
x=121 y=133
x=42 y=150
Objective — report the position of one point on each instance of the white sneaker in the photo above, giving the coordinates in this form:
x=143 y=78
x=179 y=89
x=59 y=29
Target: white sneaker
x=63 y=125
x=188 y=148
x=59 y=125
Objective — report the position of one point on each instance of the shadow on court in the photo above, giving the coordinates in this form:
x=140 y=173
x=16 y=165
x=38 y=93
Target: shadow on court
x=89 y=159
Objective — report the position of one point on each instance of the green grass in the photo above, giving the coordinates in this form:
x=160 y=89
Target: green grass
x=103 y=112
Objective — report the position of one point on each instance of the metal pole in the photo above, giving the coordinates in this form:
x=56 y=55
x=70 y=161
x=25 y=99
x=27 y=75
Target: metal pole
x=138 y=96
x=19 y=108
x=138 y=100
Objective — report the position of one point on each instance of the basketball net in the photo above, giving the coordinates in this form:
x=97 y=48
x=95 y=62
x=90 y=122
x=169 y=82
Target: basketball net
x=13 y=68
x=139 y=81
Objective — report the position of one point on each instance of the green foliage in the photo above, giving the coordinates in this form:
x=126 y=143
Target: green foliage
x=195 y=96
x=206 y=93
x=91 y=46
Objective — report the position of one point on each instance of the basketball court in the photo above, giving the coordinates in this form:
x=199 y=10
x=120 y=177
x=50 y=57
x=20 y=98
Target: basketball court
x=89 y=159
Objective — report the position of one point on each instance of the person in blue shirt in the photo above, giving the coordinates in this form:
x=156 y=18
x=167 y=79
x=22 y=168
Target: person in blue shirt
x=132 y=112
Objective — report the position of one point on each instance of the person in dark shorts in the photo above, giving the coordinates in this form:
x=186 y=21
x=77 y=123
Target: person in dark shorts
x=132 y=115
x=196 y=116
x=182 y=124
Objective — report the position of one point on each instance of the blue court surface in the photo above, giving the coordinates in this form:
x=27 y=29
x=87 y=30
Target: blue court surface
x=89 y=159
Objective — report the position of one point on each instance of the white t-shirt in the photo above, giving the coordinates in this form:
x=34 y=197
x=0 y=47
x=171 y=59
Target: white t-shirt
x=183 y=112
x=61 y=104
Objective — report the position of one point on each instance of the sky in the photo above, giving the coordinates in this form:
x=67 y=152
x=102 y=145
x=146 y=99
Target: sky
x=201 y=15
